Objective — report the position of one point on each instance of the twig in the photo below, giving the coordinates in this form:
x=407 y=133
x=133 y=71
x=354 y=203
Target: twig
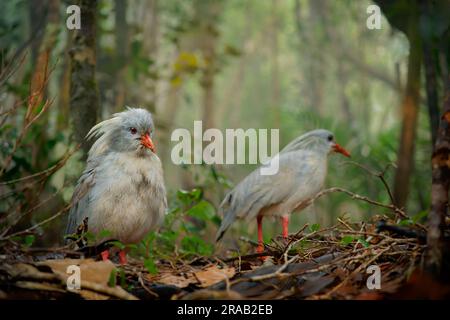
x=47 y=172
x=357 y=270
x=273 y=274
x=141 y=281
x=34 y=227
x=358 y=197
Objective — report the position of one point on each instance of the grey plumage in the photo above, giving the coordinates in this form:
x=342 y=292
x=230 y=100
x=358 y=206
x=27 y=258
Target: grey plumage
x=122 y=188
x=302 y=172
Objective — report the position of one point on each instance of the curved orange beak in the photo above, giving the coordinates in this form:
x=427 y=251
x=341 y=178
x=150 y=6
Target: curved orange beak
x=339 y=149
x=147 y=142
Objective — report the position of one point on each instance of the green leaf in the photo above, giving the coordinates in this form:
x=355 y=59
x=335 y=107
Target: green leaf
x=28 y=240
x=168 y=236
x=112 y=281
x=187 y=197
x=150 y=265
x=405 y=222
x=315 y=227
x=203 y=210
x=420 y=216
x=347 y=240
x=123 y=279
x=118 y=244
x=216 y=220
x=194 y=244
x=364 y=242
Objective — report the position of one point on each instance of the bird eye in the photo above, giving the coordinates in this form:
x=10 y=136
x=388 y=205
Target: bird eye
x=330 y=138
x=133 y=130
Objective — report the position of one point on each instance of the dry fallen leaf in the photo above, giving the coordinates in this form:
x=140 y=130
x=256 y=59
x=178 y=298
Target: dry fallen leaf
x=203 y=277
x=212 y=275
x=179 y=281
x=91 y=270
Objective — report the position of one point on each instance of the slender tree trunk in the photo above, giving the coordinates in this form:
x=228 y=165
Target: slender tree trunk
x=84 y=101
x=122 y=45
x=37 y=18
x=40 y=78
x=317 y=78
x=41 y=66
x=64 y=89
x=410 y=111
x=275 y=96
x=437 y=262
x=429 y=59
x=208 y=12
x=149 y=84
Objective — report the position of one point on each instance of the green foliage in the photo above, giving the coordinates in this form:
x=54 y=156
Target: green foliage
x=26 y=241
x=363 y=242
x=315 y=227
x=117 y=276
x=112 y=281
x=150 y=265
x=183 y=232
x=345 y=241
x=29 y=239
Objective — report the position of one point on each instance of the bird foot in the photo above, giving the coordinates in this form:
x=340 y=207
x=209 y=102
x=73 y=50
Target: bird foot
x=123 y=257
x=105 y=255
x=260 y=249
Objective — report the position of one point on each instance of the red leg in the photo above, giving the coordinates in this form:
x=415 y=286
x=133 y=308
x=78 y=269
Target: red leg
x=123 y=257
x=105 y=255
x=285 y=220
x=260 y=247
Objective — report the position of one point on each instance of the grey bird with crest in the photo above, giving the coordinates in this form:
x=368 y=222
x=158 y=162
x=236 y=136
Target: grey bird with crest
x=122 y=187
x=301 y=175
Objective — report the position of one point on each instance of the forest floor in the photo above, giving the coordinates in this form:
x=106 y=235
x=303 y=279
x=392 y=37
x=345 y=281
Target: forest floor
x=339 y=262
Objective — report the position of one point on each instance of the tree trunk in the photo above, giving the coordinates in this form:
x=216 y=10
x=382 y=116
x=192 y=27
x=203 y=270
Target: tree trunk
x=429 y=59
x=208 y=12
x=275 y=72
x=37 y=18
x=84 y=101
x=436 y=262
x=150 y=48
x=410 y=111
x=63 y=98
x=40 y=78
x=318 y=76
x=122 y=45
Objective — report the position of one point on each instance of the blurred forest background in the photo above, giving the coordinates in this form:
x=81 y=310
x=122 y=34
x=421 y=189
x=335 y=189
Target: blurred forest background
x=295 y=65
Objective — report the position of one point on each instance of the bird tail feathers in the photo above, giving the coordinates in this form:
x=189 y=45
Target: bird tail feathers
x=229 y=215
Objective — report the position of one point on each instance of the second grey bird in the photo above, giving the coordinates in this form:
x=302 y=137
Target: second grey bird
x=122 y=188
x=301 y=175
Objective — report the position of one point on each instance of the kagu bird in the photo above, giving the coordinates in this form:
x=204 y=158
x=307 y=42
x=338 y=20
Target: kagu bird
x=301 y=175
x=122 y=188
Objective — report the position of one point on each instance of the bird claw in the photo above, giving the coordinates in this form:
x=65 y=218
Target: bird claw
x=105 y=255
x=123 y=257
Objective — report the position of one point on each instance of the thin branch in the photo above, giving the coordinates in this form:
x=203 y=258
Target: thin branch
x=34 y=227
x=359 y=197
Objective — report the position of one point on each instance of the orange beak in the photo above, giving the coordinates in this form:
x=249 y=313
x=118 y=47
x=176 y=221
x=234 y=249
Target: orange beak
x=147 y=142
x=339 y=149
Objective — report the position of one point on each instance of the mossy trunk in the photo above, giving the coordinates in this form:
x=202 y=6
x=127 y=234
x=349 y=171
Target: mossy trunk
x=84 y=100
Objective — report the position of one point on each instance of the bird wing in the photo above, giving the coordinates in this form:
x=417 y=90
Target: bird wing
x=80 y=200
x=258 y=191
